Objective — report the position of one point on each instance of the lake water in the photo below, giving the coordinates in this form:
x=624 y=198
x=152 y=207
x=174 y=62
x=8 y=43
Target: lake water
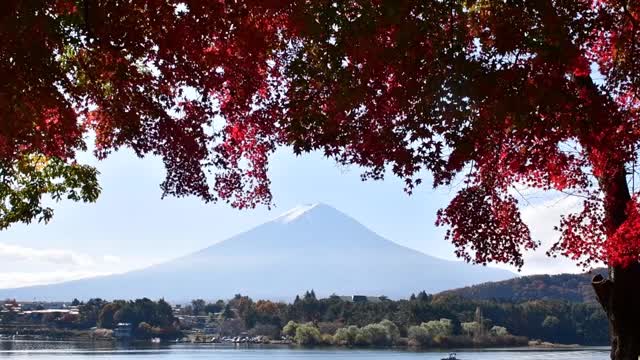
x=41 y=350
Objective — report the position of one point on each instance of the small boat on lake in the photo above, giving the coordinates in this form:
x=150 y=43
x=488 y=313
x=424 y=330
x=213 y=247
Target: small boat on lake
x=452 y=356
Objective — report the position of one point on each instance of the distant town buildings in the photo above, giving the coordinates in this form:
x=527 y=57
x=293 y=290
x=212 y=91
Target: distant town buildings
x=26 y=310
x=361 y=298
x=123 y=331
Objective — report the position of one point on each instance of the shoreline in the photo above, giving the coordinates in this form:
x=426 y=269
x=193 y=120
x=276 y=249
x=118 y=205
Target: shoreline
x=276 y=344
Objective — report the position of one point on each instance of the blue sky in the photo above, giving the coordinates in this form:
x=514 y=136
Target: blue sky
x=131 y=226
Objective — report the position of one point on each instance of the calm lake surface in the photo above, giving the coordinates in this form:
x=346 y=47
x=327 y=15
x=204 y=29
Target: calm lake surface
x=42 y=350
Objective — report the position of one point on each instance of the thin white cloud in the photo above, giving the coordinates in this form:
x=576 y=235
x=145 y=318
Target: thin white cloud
x=21 y=279
x=541 y=219
x=22 y=266
x=9 y=252
x=110 y=259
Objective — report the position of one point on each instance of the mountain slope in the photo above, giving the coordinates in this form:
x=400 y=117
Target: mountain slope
x=309 y=247
x=567 y=287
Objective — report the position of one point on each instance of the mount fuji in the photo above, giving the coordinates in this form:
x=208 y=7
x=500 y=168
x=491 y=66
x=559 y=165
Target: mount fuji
x=309 y=247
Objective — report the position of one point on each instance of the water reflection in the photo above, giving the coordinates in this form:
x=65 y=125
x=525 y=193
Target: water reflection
x=46 y=350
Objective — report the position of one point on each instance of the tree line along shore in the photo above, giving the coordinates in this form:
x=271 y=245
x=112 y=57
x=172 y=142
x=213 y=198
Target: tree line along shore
x=422 y=321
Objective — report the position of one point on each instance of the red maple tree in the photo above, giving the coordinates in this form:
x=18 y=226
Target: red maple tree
x=542 y=93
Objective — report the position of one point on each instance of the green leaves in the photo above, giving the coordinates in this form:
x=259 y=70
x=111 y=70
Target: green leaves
x=26 y=184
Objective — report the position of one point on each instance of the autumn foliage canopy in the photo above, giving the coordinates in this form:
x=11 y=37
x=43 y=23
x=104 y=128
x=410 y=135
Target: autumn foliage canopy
x=498 y=94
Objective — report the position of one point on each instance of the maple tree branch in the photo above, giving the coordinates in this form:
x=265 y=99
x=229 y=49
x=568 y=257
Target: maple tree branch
x=522 y=196
x=577 y=195
x=634 y=26
x=633 y=19
x=87 y=27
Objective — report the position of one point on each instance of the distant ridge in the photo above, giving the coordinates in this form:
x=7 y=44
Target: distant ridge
x=308 y=247
x=566 y=287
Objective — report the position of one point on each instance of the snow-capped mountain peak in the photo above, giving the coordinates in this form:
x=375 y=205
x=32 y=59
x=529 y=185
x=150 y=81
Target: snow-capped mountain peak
x=308 y=247
x=296 y=213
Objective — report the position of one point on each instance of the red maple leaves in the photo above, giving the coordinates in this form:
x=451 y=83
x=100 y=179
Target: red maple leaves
x=486 y=227
x=496 y=93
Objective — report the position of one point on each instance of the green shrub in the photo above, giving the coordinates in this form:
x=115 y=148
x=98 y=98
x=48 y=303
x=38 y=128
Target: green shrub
x=290 y=328
x=374 y=334
x=326 y=339
x=419 y=336
x=499 y=331
x=346 y=336
x=442 y=327
x=307 y=334
x=471 y=329
x=392 y=330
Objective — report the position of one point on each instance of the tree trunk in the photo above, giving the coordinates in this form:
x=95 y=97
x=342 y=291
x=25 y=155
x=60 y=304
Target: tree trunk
x=620 y=298
x=620 y=294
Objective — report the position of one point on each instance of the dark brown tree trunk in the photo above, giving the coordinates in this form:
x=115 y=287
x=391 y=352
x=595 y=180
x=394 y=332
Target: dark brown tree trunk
x=620 y=294
x=620 y=298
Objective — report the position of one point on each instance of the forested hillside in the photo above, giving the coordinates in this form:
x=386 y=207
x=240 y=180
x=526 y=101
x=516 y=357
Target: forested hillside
x=423 y=320
x=567 y=287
